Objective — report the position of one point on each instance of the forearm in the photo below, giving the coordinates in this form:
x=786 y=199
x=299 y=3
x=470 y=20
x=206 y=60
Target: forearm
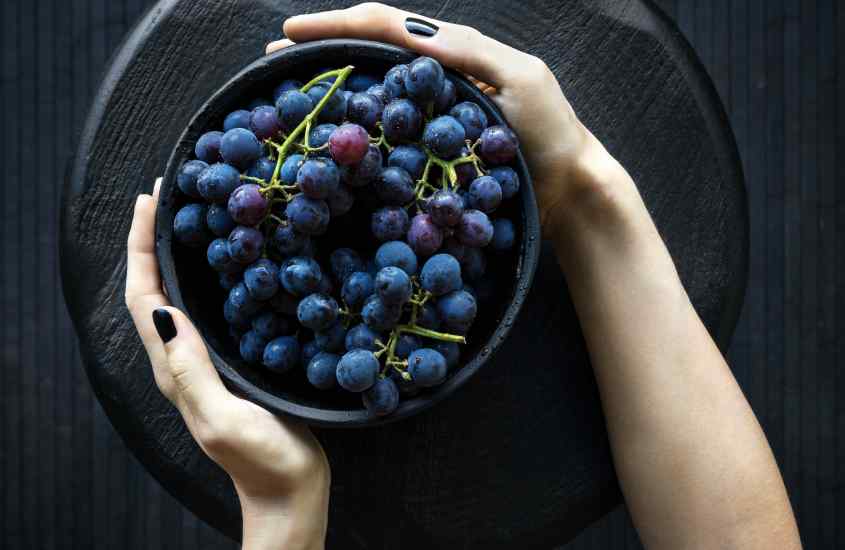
x=295 y=523
x=692 y=460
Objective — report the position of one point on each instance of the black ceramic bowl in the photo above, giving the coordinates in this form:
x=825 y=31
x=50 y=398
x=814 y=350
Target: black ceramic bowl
x=193 y=287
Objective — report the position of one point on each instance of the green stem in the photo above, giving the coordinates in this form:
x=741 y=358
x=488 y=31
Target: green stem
x=259 y=181
x=336 y=72
x=419 y=331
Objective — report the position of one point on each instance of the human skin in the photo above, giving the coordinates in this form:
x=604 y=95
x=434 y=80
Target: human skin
x=694 y=465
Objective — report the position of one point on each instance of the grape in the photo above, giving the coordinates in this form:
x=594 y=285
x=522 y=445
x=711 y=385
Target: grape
x=236 y=119
x=240 y=148
x=365 y=109
x=189 y=226
x=457 y=310
x=485 y=194
x=264 y=122
x=441 y=274
x=252 y=347
x=345 y=262
x=361 y=337
x=475 y=228
x=399 y=254
x=356 y=288
x=367 y=170
x=401 y=121
x=290 y=168
x=380 y=92
x=393 y=286
x=503 y=234
x=309 y=350
x=335 y=107
x=427 y=367
x=359 y=82
x=258 y=102
x=229 y=280
x=232 y=314
x=286 y=241
x=291 y=109
x=497 y=145
x=444 y=136
x=245 y=244
x=410 y=158
x=281 y=354
x=453 y=247
x=357 y=370
x=308 y=216
x=465 y=171
x=331 y=339
x=445 y=208
x=427 y=317
x=395 y=186
x=405 y=344
x=473 y=264
x=340 y=201
x=284 y=87
x=186 y=179
x=300 y=275
x=446 y=98
x=269 y=325
x=242 y=300
x=424 y=236
x=394 y=81
x=319 y=136
x=207 y=148
x=317 y=311
x=349 y=143
x=378 y=315
x=262 y=168
x=219 y=258
x=471 y=117
x=318 y=178
x=424 y=79
x=262 y=279
x=449 y=350
x=321 y=370
x=217 y=182
x=381 y=399
x=508 y=180
x=247 y=206
x=390 y=223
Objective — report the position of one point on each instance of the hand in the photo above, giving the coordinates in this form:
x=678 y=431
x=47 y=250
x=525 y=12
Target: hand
x=278 y=468
x=565 y=160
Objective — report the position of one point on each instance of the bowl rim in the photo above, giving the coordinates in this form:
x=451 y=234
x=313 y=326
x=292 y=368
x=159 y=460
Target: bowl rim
x=261 y=70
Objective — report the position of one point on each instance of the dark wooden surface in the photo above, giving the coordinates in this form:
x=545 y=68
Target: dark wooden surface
x=69 y=482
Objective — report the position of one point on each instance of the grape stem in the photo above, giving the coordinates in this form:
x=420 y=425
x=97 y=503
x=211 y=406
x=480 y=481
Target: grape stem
x=433 y=334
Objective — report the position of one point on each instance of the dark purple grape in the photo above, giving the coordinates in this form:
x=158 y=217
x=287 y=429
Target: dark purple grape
x=331 y=339
x=207 y=148
x=475 y=229
x=344 y=262
x=365 y=109
x=341 y=201
x=427 y=317
x=318 y=178
x=450 y=351
x=427 y=367
x=291 y=109
x=362 y=337
x=319 y=136
x=300 y=275
x=396 y=253
x=252 y=347
x=390 y=223
x=424 y=236
x=471 y=117
x=380 y=92
x=445 y=208
x=485 y=194
x=284 y=87
x=444 y=136
x=262 y=279
x=358 y=82
x=334 y=109
x=379 y=316
x=394 y=81
x=321 y=370
x=241 y=300
x=393 y=286
x=281 y=354
x=356 y=288
x=290 y=168
x=237 y=119
x=309 y=351
x=410 y=158
x=264 y=122
x=497 y=145
x=247 y=206
x=367 y=170
x=357 y=370
x=465 y=171
x=441 y=274
x=508 y=180
x=348 y=144
x=401 y=121
x=457 y=310
x=395 y=186
x=269 y=324
x=473 y=264
x=308 y=216
x=229 y=280
x=405 y=344
x=503 y=235
x=446 y=98
x=245 y=244
x=189 y=226
x=424 y=79
x=317 y=311
x=217 y=182
x=219 y=258
x=382 y=398
x=187 y=177
x=262 y=168
x=286 y=240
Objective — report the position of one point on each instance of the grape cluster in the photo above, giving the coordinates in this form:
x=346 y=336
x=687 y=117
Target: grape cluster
x=430 y=171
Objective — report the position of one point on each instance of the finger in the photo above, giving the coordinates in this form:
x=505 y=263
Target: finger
x=457 y=46
x=277 y=45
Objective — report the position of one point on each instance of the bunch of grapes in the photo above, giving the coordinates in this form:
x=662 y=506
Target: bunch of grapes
x=430 y=172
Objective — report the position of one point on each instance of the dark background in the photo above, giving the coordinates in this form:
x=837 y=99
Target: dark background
x=779 y=66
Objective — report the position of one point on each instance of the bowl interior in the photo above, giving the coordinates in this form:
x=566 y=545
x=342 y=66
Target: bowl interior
x=192 y=285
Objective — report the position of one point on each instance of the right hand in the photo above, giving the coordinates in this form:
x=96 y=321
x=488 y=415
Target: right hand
x=564 y=158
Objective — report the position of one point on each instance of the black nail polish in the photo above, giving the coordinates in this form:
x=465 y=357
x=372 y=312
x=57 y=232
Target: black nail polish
x=164 y=325
x=420 y=27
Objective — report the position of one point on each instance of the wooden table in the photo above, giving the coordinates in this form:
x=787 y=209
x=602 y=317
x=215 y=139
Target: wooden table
x=519 y=457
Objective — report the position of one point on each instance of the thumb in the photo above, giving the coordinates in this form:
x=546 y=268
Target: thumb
x=198 y=390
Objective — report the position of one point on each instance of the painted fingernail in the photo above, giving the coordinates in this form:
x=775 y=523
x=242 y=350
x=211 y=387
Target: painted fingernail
x=420 y=27
x=164 y=325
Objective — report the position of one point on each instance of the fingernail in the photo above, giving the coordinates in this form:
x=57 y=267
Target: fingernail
x=164 y=325
x=420 y=27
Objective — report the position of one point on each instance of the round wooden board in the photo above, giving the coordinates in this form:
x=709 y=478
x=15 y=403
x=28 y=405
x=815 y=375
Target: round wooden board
x=518 y=457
